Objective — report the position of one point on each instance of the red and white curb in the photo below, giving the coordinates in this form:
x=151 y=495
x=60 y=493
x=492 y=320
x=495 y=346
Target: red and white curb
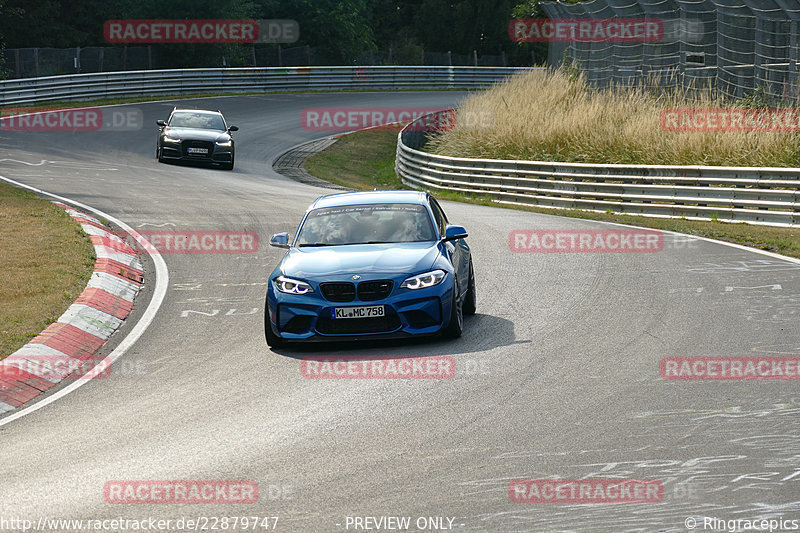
x=83 y=328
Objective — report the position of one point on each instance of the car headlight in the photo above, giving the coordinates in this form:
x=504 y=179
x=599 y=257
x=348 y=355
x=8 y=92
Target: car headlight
x=292 y=286
x=225 y=144
x=423 y=281
x=169 y=139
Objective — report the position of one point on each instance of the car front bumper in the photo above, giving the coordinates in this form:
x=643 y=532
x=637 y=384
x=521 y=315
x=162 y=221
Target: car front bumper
x=310 y=317
x=181 y=152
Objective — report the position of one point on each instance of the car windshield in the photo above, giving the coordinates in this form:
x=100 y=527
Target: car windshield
x=202 y=121
x=366 y=224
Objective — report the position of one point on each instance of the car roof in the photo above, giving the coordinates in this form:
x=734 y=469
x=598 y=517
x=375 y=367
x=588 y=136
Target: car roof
x=207 y=111
x=370 y=197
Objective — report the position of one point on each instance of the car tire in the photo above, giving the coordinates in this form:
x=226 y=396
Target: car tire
x=273 y=340
x=456 y=325
x=470 y=300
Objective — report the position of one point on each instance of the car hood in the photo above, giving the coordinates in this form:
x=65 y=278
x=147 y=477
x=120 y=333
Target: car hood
x=370 y=261
x=198 y=135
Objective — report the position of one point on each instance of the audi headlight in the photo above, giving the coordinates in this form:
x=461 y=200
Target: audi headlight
x=423 y=281
x=292 y=286
x=225 y=144
x=169 y=139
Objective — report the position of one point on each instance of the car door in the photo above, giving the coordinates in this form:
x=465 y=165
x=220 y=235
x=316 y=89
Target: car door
x=457 y=250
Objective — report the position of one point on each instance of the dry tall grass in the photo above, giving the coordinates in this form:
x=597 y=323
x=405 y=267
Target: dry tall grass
x=553 y=116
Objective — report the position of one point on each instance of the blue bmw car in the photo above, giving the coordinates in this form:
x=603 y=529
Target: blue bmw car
x=373 y=264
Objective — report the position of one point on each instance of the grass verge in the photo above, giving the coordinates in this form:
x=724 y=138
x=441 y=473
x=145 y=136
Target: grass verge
x=45 y=263
x=556 y=115
x=365 y=160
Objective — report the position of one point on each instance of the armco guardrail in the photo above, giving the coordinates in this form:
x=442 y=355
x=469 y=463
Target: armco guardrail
x=736 y=194
x=177 y=82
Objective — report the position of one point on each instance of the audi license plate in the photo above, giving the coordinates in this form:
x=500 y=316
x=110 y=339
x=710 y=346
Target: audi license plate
x=193 y=150
x=367 y=311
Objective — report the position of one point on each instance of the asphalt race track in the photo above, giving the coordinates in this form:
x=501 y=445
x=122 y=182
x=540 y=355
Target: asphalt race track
x=557 y=376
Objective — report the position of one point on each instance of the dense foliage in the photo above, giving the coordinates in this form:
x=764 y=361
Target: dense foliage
x=342 y=29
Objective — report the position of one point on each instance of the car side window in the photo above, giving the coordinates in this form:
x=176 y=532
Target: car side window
x=439 y=216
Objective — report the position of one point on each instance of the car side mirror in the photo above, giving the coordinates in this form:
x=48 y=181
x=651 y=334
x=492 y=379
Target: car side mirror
x=233 y=128
x=453 y=232
x=280 y=240
x=161 y=123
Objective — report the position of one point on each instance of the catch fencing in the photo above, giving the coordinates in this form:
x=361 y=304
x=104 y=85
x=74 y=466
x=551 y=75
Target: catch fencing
x=738 y=48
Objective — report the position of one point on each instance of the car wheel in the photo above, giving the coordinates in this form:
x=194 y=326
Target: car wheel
x=470 y=301
x=273 y=340
x=456 y=325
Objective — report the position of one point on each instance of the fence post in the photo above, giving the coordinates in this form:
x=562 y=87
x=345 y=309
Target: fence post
x=16 y=63
x=475 y=56
x=280 y=56
x=449 y=58
x=101 y=56
x=793 y=81
x=77 y=59
x=253 y=54
x=36 y=61
x=308 y=54
x=149 y=57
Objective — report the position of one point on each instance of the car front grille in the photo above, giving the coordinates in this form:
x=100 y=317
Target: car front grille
x=185 y=145
x=369 y=291
x=338 y=292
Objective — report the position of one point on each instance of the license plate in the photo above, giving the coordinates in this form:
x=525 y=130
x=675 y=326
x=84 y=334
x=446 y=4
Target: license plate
x=193 y=150
x=367 y=311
